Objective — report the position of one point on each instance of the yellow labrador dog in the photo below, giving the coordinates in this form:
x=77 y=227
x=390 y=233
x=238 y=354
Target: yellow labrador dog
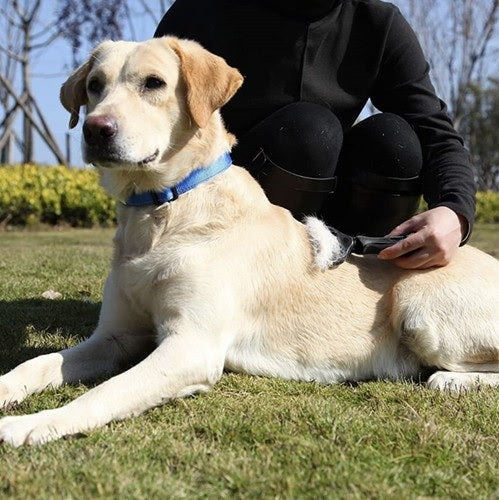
x=219 y=277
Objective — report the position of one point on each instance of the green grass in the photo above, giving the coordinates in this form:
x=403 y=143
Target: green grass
x=250 y=437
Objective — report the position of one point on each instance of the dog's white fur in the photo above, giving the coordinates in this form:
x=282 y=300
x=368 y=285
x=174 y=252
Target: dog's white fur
x=220 y=278
x=325 y=245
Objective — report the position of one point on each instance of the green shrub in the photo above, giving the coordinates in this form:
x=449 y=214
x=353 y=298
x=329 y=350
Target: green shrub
x=32 y=194
x=487 y=206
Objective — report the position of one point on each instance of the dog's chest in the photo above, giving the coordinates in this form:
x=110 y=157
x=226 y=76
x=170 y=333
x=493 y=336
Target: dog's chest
x=154 y=276
x=144 y=264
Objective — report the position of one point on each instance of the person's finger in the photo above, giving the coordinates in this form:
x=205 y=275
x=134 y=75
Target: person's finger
x=405 y=246
x=412 y=225
x=419 y=259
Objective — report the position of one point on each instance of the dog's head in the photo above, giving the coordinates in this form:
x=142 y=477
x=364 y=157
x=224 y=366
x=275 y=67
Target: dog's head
x=144 y=100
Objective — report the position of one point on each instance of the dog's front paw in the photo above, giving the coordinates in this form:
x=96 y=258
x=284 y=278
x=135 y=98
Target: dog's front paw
x=328 y=248
x=9 y=396
x=37 y=428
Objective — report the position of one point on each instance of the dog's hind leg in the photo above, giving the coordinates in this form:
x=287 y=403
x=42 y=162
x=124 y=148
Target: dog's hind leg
x=449 y=319
x=471 y=360
x=118 y=338
x=183 y=364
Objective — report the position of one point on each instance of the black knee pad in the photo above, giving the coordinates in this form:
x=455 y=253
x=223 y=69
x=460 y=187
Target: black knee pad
x=301 y=195
x=383 y=144
x=293 y=154
x=372 y=205
x=303 y=138
x=378 y=177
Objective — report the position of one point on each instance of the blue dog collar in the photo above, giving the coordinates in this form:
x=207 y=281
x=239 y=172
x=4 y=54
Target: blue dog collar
x=195 y=178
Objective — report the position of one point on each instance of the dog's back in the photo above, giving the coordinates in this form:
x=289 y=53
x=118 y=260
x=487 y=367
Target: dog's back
x=365 y=318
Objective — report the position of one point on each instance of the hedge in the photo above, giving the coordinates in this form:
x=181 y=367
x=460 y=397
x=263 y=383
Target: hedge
x=31 y=194
x=487 y=206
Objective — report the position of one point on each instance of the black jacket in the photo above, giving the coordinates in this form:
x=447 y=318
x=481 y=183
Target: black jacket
x=338 y=53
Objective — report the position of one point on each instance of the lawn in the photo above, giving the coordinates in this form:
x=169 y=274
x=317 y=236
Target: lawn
x=250 y=437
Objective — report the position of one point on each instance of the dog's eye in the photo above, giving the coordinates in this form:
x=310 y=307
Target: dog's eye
x=152 y=82
x=95 y=86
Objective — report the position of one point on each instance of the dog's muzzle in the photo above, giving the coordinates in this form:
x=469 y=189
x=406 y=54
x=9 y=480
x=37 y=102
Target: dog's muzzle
x=102 y=147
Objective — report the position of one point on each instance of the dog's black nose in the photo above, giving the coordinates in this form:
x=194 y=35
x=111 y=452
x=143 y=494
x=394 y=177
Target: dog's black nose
x=99 y=129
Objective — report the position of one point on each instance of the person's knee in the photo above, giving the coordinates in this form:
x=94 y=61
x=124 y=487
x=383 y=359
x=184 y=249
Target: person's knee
x=383 y=144
x=303 y=138
x=378 y=177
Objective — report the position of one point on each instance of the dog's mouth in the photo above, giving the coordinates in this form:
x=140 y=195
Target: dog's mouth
x=111 y=159
x=150 y=158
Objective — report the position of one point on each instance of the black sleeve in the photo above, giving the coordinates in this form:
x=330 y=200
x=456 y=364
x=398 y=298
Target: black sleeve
x=403 y=87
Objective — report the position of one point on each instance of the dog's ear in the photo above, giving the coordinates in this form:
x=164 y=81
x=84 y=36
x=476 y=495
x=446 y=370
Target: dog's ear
x=73 y=93
x=210 y=81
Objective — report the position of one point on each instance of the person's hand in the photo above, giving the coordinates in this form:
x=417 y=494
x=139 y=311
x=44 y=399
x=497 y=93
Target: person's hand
x=434 y=237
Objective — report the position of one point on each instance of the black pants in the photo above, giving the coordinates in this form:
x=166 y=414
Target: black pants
x=365 y=181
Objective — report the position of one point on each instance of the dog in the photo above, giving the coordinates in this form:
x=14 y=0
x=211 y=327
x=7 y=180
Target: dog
x=208 y=275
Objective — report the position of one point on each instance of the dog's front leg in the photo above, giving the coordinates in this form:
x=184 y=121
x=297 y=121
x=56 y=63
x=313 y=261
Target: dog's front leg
x=119 y=336
x=99 y=355
x=183 y=364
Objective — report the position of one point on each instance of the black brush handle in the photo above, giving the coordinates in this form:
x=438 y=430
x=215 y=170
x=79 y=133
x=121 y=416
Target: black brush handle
x=373 y=245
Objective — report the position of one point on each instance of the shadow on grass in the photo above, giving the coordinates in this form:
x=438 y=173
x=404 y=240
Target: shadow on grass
x=26 y=326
